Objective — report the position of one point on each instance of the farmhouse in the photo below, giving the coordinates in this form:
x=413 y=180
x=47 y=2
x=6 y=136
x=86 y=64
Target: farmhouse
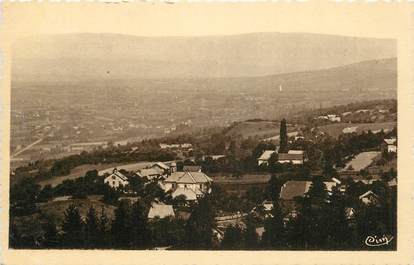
x=369 y=198
x=157 y=171
x=176 y=146
x=334 y=118
x=350 y=129
x=150 y=173
x=188 y=183
x=161 y=166
x=391 y=145
x=160 y=210
x=116 y=179
x=296 y=157
x=264 y=158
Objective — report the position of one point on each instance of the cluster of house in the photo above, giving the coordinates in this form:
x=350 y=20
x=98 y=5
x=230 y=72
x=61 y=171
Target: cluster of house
x=294 y=189
x=330 y=117
x=189 y=184
x=176 y=146
x=391 y=145
x=296 y=157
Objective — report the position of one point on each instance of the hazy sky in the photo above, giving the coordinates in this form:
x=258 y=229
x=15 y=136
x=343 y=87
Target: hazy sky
x=149 y=19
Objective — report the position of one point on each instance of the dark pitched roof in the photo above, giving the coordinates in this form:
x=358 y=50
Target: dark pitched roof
x=285 y=156
x=188 y=177
x=293 y=188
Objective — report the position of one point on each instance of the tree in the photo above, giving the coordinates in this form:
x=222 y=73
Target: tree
x=233 y=238
x=140 y=232
x=274 y=236
x=46 y=193
x=317 y=192
x=167 y=231
x=111 y=195
x=313 y=216
x=72 y=228
x=199 y=227
x=283 y=138
x=255 y=195
x=103 y=224
x=153 y=191
x=250 y=236
x=339 y=230
x=136 y=185
x=51 y=239
x=91 y=228
x=120 y=230
x=273 y=188
x=23 y=197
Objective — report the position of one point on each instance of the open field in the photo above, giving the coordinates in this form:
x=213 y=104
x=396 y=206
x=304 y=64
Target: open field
x=362 y=160
x=80 y=171
x=337 y=129
x=263 y=129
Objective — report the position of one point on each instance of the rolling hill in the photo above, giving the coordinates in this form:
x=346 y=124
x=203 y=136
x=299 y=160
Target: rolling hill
x=86 y=57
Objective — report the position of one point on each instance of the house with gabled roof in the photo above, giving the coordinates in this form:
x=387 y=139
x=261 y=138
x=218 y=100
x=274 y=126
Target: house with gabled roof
x=162 y=166
x=296 y=157
x=156 y=171
x=188 y=183
x=152 y=173
x=265 y=157
x=391 y=145
x=116 y=179
x=369 y=198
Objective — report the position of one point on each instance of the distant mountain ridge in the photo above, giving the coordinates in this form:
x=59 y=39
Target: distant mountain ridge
x=86 y=57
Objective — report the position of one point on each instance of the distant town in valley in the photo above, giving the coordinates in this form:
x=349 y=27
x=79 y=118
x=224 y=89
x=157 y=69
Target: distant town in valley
x=214 y=150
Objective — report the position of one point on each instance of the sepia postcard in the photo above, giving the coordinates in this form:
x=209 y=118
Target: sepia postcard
x=207 y=133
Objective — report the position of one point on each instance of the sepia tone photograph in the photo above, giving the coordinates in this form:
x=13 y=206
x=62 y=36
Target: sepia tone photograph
x=263 y=137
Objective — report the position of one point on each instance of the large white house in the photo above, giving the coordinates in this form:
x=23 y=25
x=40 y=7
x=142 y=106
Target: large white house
x=183 y=183
x=116 y=179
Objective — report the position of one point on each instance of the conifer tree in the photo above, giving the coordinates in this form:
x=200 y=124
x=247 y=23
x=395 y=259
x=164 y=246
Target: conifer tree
x=103 y=225
x=274 y=236
x=283 y=138
x=91 y=229
x=50 y=234
x=199 y=227
x=338 y=226
x=120 y=230
x=72 y=227
x=141 y=235
x=233 y=238
x=250 y=236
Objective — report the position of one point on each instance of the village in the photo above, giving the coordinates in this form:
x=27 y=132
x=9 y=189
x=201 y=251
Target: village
x=241 y=193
